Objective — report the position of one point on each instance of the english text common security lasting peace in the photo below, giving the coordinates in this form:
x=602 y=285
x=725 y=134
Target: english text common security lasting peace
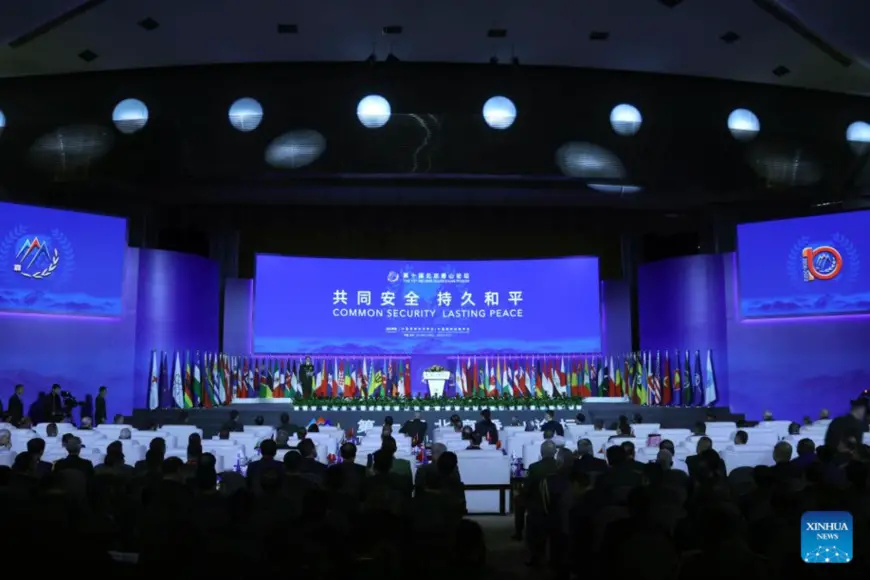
x=467 y=308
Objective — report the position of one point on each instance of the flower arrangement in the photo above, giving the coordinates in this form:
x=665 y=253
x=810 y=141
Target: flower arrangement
x=436 y=369
x=475 y=402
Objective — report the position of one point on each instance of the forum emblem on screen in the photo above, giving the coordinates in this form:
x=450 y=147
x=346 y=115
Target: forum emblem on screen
x=821 y=263
x=36 y=258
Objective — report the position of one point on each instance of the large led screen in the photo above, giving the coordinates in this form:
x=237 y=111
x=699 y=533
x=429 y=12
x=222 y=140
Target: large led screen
x=322 y=305
x=804 y=266
x=60 y=262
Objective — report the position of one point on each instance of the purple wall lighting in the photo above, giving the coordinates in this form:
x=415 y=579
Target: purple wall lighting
x=171 y=301
x=178 y=309
x=681 y=305
x=792 y=367
x=79 y=353
x=238 y=330
x=615 y=317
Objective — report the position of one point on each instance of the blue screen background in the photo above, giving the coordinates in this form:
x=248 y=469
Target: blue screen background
x=88 y=275
x=294 y=306
x=771 y=268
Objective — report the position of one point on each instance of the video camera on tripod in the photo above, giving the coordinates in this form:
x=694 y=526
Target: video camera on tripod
x=69 y=403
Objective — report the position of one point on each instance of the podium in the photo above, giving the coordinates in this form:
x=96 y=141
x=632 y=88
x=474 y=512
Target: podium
x=436 y=380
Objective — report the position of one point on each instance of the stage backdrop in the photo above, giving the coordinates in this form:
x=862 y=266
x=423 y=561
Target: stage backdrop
x=793 y=367
x=238 y=329
x=804 y=266
x=61 y=262
x=171 y=301
x=333 y=306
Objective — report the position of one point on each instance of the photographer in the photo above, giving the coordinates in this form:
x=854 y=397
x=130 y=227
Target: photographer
x=54 y=411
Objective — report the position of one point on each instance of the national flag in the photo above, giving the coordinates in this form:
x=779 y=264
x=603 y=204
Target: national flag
x=188 y=379
x=278 y=379
x=667 y=393
x=601 y=374
x=654 y=380
x=611 y=388
x=563 y=375
x=688 y=388
x=574 y=380
x=605 y=378
x=196 y=387
x=585 y=390
x=640 y=380
x=547 y=378
x=250 y=391
x=386 y=388
x=507 y=382
x=407 y=379
x=265 y=386
x=698 y=382
x=364 y=380
x=711 y=395
x=377 y=378
x=165 y=388
x=228 y=380
x=677 y=388
x=538 y=379
x=617 y=380
x=177 y=383
x=218 y=380
x=154 y=383
x=627 y=378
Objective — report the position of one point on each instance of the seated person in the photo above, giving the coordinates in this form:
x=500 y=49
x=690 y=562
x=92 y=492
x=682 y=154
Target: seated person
x=475 y=442
x=234 y=424
x=550 y=424
x=741 y=438
x=259 y=421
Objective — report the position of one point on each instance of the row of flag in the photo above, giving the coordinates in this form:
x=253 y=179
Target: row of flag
x=647 y=378
x=215 y=379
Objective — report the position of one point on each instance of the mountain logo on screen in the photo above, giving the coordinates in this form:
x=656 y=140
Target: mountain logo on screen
x=36 y=257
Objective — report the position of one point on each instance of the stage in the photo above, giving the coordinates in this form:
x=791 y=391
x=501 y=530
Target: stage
x=210 y=420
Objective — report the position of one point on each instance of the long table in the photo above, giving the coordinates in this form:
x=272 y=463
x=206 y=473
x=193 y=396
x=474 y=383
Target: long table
x=210 y=420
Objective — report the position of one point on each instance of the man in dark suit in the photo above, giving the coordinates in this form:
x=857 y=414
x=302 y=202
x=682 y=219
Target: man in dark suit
x=550 y=424
x=73 y=461
x=353 y=476
x=849 y=427
x=306 y=378
x=233 y=425
x=286 y=426
x=15 y=408
x=36 y=447
x=532 y=499
x=693 y=462
x=267 y=464
x=100 y=414
x=54 y=405
x=415 y=429
x=310 y=466
x=486 y=427
x=586 y=460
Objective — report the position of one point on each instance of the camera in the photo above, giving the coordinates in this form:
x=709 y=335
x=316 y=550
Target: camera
x=69 y=401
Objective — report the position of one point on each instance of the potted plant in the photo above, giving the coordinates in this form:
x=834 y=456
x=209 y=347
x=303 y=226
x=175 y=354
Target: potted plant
x=427 y=402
